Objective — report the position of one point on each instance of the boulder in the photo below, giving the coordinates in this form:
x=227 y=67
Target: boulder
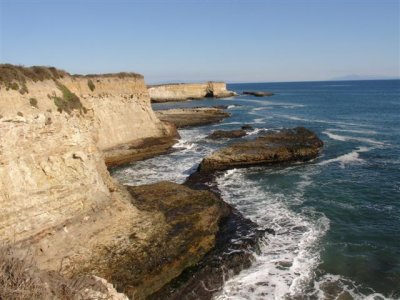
x=287 y=145
x=227 y=134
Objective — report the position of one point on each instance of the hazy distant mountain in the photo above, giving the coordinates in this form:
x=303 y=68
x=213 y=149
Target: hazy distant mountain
x=363 y=77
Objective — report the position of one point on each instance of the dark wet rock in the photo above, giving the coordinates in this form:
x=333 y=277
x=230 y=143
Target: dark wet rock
x=236 y=240
x=258 y=93
x=287 y=145
x=192 y=220
x=185 y=117
x=227 y=134
x=247 y=127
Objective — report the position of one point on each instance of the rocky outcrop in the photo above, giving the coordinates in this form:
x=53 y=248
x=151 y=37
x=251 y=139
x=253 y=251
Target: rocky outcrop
x=186 y=91
x=258 y=93
x=227 y=134
x=185 y=117
x=287 y=145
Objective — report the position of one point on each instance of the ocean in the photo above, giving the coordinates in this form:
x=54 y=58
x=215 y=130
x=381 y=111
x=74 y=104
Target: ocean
x=336 y=218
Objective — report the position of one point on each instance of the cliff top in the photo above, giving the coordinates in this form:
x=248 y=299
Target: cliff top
x=20 y=74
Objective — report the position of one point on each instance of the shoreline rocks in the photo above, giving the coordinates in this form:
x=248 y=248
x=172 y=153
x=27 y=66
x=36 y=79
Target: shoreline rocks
x=287 y=145
x=185 y=117
x=227 y=134
x=258 y=93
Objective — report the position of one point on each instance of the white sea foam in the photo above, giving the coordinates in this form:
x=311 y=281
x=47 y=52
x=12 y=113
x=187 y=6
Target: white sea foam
x=165 y=167
x=256 y=131
x=340 y=123
x=287 y=259
x=373 y=132
x=272 y=103
x=348 y=158
x=342 y=286
x=345 y=138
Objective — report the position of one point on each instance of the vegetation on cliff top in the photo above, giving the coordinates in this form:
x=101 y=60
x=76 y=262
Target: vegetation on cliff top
x=12 y=74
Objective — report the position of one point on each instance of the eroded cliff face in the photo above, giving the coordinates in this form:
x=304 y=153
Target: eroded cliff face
x=57 y=198
x=185 y=91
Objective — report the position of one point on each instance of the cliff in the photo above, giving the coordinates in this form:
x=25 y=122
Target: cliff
x=58 y=200
x=186 y=91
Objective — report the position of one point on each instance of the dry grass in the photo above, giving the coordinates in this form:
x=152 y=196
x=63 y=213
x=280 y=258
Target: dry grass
x=13 y=76
x=20 y=279
x=19 y=74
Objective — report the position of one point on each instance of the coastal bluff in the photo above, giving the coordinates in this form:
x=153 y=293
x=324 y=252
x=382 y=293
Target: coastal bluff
x=188 y=91
x=59 y=203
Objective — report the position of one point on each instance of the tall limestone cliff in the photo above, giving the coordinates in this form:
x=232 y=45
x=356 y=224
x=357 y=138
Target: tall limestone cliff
x=57 y=198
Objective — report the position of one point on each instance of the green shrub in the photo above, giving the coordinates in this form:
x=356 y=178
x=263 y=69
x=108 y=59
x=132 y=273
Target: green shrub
x=20 y=114
x=14 y=86
x=91 y=85
x=33 y=102
x=69 y=101
x=23 y=89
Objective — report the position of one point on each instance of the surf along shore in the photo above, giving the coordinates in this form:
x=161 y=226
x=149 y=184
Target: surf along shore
x=71 y=225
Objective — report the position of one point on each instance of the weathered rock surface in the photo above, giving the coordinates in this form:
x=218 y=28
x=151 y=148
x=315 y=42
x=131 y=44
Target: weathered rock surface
x=187 y=91
x=184 y=117
x=258 y=93
x=287 y=145
x=227 y=134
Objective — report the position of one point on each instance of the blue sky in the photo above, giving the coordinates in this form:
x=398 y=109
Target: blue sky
x=193 y=40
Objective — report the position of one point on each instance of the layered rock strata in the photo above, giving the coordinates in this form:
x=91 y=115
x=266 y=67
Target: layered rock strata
x=186 y=91
x=186 y=117
x=287 y=145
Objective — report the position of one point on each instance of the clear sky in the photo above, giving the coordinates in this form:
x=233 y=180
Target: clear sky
x=192 y=40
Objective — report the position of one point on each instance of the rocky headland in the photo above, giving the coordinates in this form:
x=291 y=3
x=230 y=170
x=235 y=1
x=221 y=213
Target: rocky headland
x=59 y=202
x=60 y=206
x=188 y=91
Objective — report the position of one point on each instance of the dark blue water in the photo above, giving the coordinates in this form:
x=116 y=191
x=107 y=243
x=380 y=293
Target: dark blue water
x=337 y=218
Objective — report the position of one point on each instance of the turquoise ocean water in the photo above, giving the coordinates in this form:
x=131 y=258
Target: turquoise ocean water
x=336 y=218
